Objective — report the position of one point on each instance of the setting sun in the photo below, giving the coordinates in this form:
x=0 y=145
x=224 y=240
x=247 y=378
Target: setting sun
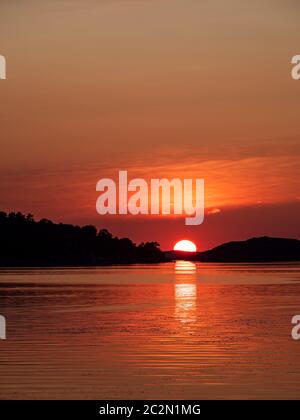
x=186 y=246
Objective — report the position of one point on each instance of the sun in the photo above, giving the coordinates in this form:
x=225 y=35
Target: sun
x=186 y=246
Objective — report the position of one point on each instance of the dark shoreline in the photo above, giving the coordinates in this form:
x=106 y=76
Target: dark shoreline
x=25 y=242
x=122 y=264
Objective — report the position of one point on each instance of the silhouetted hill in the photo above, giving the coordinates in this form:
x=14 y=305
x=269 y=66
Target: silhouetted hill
x=264 y=249
x=26 y=242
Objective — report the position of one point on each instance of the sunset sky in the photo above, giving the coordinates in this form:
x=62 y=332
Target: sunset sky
x=160 y=88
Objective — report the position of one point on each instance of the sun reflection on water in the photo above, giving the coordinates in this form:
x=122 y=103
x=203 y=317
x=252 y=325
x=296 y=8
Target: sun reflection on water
x=185 y=291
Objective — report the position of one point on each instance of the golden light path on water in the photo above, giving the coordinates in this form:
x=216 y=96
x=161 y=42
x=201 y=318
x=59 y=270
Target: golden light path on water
x=185 y=291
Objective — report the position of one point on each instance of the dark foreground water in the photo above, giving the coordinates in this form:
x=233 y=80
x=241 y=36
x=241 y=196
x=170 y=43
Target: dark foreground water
x=144 y=332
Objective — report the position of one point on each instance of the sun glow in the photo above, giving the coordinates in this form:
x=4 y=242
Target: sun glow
x=186 y=246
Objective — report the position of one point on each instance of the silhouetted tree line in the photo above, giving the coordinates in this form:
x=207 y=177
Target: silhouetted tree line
x=26 y=242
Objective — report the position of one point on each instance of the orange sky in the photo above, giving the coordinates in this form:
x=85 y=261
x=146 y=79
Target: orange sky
x=156 y=87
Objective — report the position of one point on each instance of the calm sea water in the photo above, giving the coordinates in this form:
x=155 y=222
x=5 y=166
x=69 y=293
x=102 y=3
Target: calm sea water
x=175 y=330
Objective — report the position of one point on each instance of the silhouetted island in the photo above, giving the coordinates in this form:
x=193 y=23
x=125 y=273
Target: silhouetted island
x=263 y=249
x=26 y=242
